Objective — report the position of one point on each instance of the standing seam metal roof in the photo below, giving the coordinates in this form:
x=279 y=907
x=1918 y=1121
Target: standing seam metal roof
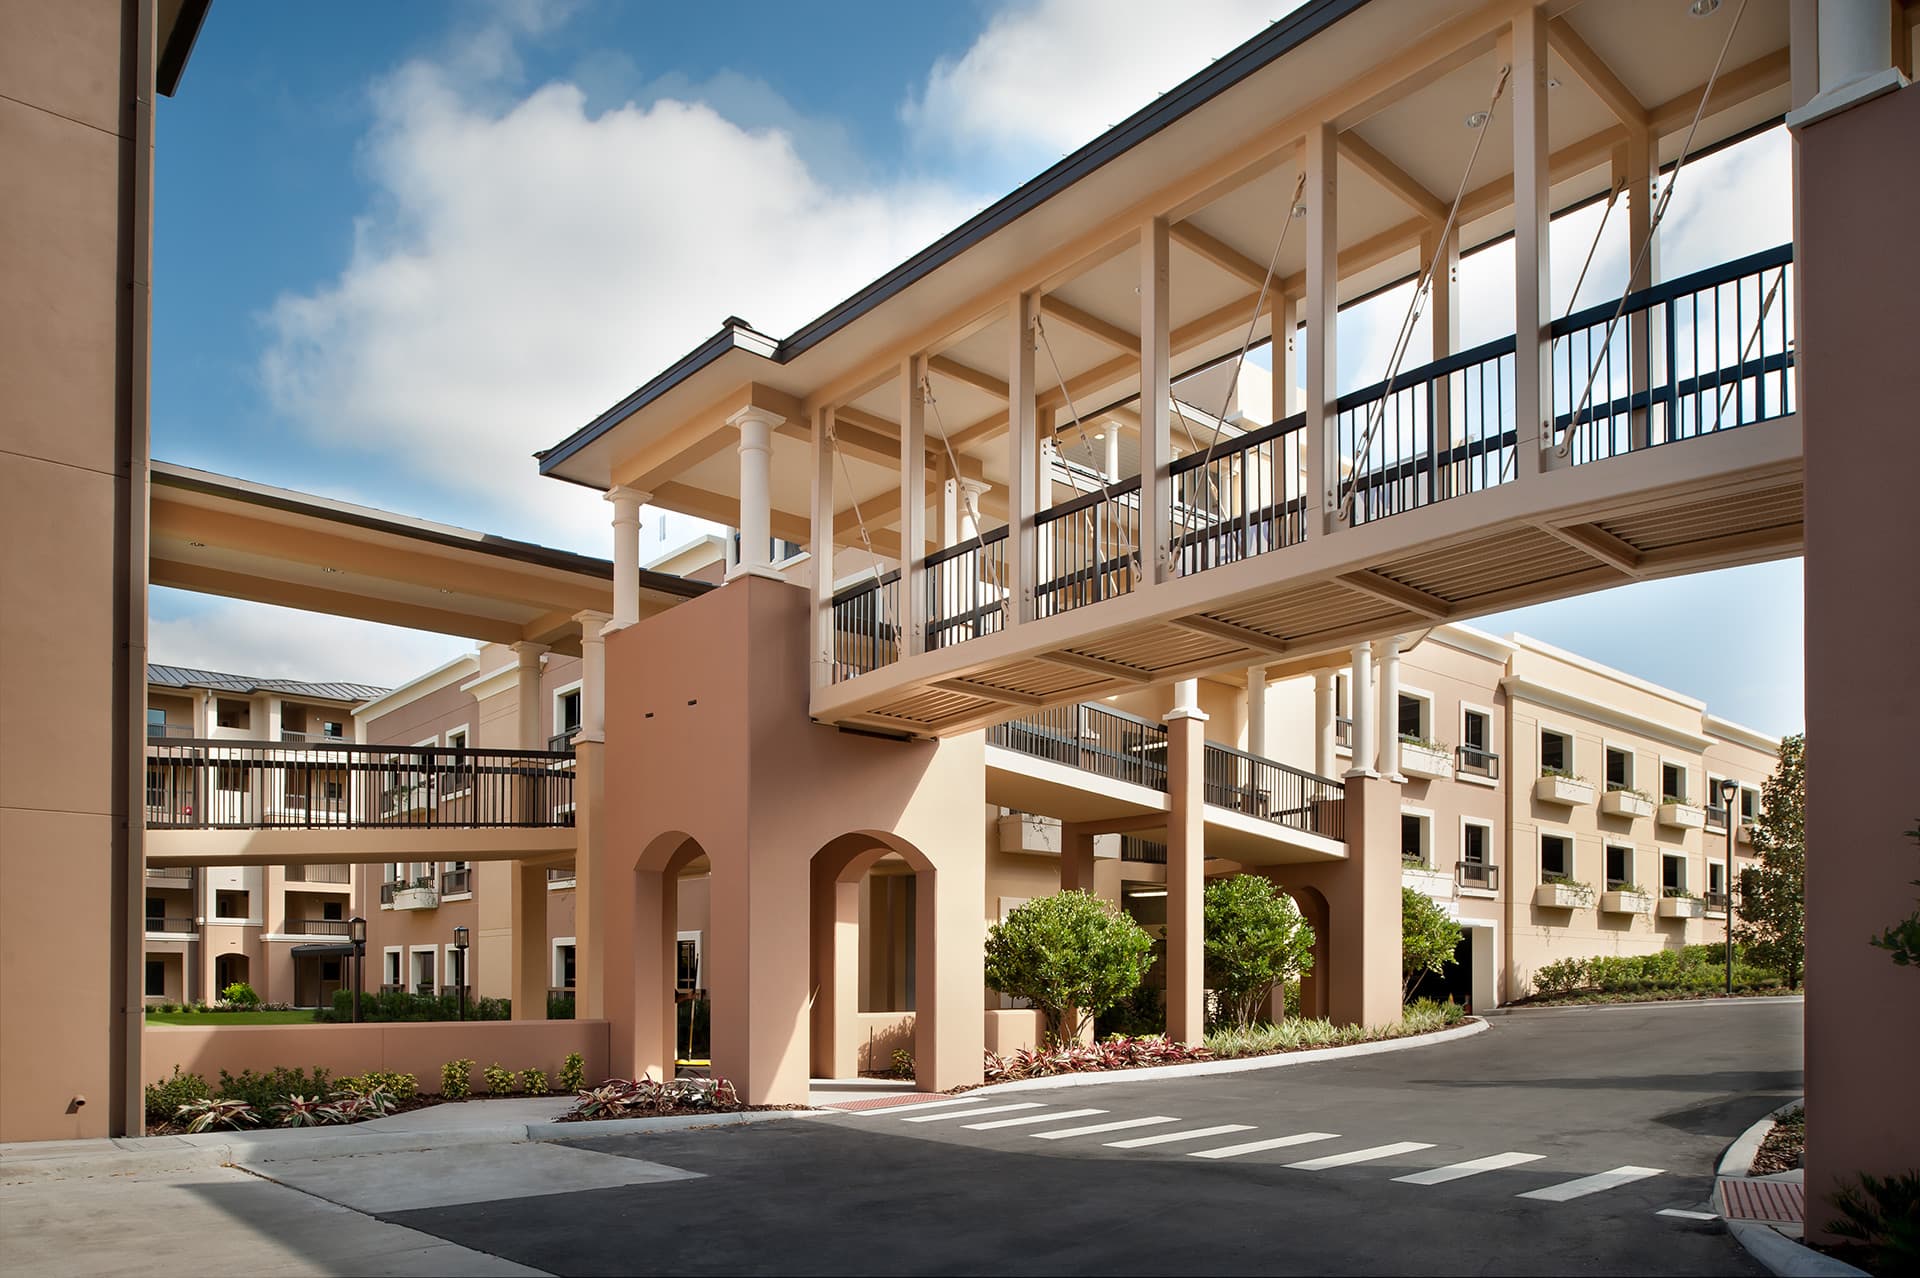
x=184 y=677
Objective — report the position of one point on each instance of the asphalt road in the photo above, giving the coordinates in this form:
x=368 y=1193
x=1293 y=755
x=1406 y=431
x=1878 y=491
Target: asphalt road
x=1643 y=1098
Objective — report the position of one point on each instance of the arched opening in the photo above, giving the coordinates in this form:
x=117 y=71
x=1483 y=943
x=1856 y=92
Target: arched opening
x=669 y=969
x=228 y=969
x=1315 y=984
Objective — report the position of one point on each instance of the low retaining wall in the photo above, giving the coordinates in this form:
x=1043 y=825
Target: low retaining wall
x=1009 y=1031
x=878 y=1034
x=409 y=1047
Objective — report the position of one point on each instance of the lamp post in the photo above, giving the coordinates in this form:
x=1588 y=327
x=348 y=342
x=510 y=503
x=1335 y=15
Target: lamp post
x=460 y=968
x=1729 y=790
x=357 y=933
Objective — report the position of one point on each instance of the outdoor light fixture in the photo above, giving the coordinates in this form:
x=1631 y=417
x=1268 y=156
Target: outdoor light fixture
x=460 y=968
x=1146 y=891
x=1477 y=120
x=1729 y=789
x=1701 y=8
x=357 y=933
x=1300 y=210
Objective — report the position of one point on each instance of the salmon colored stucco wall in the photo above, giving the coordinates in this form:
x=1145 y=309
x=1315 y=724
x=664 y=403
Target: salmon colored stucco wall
x=419 y=1049
x=1859 y=185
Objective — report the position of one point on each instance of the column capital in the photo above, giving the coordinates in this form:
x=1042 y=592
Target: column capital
x=753 y=417
x=626 y=501
x=528 y=652
x=593 y=624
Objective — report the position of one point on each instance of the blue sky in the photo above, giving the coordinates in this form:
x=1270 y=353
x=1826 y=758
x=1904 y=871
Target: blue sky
x=400 y=247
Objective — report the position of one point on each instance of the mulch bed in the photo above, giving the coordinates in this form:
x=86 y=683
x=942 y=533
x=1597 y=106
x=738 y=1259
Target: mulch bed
x=1783 y=1147
x=686 y=1111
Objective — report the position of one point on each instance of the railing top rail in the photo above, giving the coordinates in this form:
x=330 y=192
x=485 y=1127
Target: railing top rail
x=1227 y=448
x=1413 y=377
x=1304 y=775
x=1125 y=717
x=1667 y=290
x=167 y=748
x=964 y=547
x=865 y=585
x=1086 y=501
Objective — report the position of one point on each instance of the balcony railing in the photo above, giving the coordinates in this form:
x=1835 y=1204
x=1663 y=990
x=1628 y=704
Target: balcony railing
x=1089 y=549
x=174 y=924
x=1274 y=792
x=1145 y=851
x=1109 y=743
x=560 y=874
x=1343 y=732
x=319 y=874
x=967 y=590
x=1475 y=762
x=203 y=784
x=563 y=741
x=1241 y=498
x=157 y=731
x=316 y=927
x=1716 y=817
x=1477 y=874
x=170 y=873
x=866 y=626
x=1716 y=901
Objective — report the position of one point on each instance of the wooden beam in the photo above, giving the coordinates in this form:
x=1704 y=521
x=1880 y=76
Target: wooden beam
x=1002 y=695
x=1595 y=73
x=1092 y=325
x=1252 y=640
x=1095 y=665
x=984 y=429
x=1224 y=256
x=1400 y=183
x=1590 y=539
x=1764 y=74
x=968 y=375
x=702 y=504
x=1399 y=594
x=339 y=603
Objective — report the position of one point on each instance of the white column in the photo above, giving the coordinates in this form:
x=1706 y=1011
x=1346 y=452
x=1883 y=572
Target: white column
x=1362 y=712
x=913 y=502
x=1023 y=458
x=949 y=506
x=1323 y=725
x=1525 y=47
x=1257 y=710
x=593 y=674
x=1112 y=465
x=1322 y=196
x=527 y=693
x=1855 y=57
x=1186 y=698
x=1646 y=359
x=1386 y=655
x=1156 y=390
x=626 y=553
x=821 y=531
x=756 y=427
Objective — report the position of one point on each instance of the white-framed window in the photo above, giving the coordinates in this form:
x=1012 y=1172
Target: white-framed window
x=1479 y=762
x=393 y=962
x=561 y=967
x=1620 y=867
x=456 y=880
x=1619 y=767
x=1749 y=805
x=566 y=708
x=1673 y=782
x=1556 y=855
x=458 y=738
x=422 y=972
x=689 y=954
x=1343 y=713
x=1717 y=883
x=1415 y=715
x=1477 y=871
x=1556 y=751
x=1673 y=872
x=1416 y=838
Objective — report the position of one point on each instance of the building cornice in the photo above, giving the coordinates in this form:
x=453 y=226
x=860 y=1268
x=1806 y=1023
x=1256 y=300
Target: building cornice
x=1526 y=643
x=1524 y=689
x=453 y=671
x=1739 y=734
x=493 y=682
x=1477 y=642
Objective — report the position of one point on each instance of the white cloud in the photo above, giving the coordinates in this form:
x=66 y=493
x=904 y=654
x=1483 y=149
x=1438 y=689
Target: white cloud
x=236 y=637
x=526 y=262
x=1048 y=76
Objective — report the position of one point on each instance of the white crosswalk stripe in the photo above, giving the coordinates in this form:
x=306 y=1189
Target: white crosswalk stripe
x=1168 y=1138
x=973 y=1113
x=896 y=1111
x=1473 y=1167
x=1094 y=1129
x=1027 y=1119
x=1255 y=1146
x=1360 y=1156
x=1572 y=1189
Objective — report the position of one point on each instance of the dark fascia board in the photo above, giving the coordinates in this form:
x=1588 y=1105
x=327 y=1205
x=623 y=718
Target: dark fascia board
x=177 y=45
x=1282 y=37
x=187 y=479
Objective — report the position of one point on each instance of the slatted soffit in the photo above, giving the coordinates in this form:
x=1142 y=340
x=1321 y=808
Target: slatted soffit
x=1220 y=159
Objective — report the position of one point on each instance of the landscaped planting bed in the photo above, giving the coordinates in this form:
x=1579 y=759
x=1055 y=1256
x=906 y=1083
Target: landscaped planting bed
x=644 y=1098
x=1784 y=1144
x=1697 y=971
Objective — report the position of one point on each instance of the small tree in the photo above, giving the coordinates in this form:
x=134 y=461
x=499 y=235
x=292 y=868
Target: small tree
x=1072 y=955
x=1428 y=939
x=1902 y=940
x=1772 y=909
x=1256 y=939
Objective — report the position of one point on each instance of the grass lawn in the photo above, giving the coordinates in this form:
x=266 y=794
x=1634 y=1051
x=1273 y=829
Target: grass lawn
x=303 y=1016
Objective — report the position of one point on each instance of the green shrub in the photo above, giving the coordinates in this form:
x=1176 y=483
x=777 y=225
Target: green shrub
x=401 y=1087
x=1882 y=1216
x=499 y=1078
x=398 y=1005
x=1071 y=954
x=1255 y=939
x=1560 y=977
x=1291 y=1035
x=559 y=1007
x=534 y=1082
x=1140 y=1013
x=1428 y=939
x=263 y=1091
x=573 y=1072
x=902 y=1063
x=456 y=1080
x=165 y=1097
x=240 y=994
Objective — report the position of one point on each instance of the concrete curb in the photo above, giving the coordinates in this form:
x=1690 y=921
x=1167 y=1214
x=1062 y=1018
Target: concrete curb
x=1627 y=1004
x=1777 y=1253
x=666 y=1123
x=1202 y=1069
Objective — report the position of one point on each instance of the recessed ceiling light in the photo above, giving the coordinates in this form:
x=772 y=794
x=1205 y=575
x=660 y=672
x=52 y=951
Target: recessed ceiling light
x=324 y=569
x=198 y=545
x=1300 y=210
x=1477 y=120
x=1552 y=83
x=1099 y=434
x=1701 y=8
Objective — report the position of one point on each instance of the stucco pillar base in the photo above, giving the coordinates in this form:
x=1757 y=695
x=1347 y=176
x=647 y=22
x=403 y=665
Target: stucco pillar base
x=950 y=1034
x=766 y=572
x=1186 y=877
x=590 y=877
x=1076 y=858
x=1360 y=972
x=529 y=943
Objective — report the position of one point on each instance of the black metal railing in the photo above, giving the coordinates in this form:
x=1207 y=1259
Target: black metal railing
x=317 y=927
x=1089 y=549
x=1439 y=431
x=162 y=730
x=1716 y=817
x=1145 y=851
x=967 y=590
x=866 y=626
x=1477 y=874
x=1343 y=732
x=1242 y=498
x=1110 y=743
x=1706 y=352
x=319 y=874
x=201 y=784
x=1716 y=901
x=1472 y=761
x=563 y=740
x=454 y=882
x=1274 y=792
x=176 y=924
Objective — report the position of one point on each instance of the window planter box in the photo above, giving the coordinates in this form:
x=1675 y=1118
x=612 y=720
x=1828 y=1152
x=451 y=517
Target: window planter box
x=1560 y=896
x=1030 y=834
x=1682 y=907
x=1681 y=816
x=1423 y=761
x=1621 y=804
x=1625 y=902
x=416 y=898
x=1563 y=790
x=1744 y=835
x=1434 y=883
